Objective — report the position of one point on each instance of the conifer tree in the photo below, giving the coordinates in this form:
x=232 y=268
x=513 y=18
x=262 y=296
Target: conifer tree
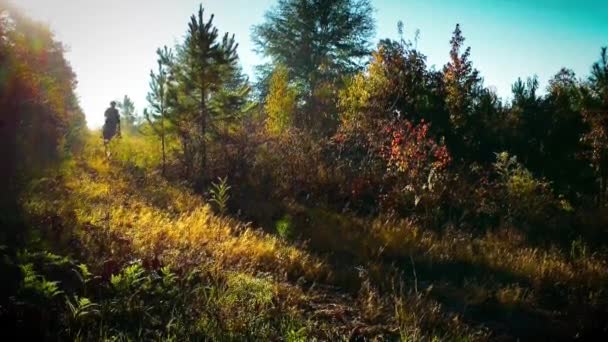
x=127 y=107
x=209 y=88
x=157 y=98
x=319 y=42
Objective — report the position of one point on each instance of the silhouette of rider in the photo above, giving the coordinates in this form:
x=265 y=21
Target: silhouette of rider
x=111 y=127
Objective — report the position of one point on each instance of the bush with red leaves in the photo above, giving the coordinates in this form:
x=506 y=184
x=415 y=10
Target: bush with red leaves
x=417 y=162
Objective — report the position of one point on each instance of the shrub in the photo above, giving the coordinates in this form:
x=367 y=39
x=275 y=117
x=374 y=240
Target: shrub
x=293 y=163
x=525 y=199
x=284 y=227
x=417 y=158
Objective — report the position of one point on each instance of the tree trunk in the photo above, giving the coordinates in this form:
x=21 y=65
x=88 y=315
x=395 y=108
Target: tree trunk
x=203 y=131
x=162 y=128
x=603 y=186
x=9 y=127
x=162 y=139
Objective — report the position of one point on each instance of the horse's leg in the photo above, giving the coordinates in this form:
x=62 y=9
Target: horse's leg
x=106 y=150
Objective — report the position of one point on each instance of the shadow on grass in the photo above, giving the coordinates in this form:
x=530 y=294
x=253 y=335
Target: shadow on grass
x=556 y=311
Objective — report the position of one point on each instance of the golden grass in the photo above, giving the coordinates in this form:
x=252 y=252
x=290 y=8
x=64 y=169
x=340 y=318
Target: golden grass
x=499 y=270
x=504 y=249
x=166 y=222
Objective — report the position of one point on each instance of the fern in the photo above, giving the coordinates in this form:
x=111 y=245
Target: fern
x=37 y=284
x=82 y=308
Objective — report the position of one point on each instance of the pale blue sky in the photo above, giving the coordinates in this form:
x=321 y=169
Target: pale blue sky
x=112 y=43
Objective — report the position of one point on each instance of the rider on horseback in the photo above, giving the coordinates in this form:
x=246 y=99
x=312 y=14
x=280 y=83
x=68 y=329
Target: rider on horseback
x=112 y=124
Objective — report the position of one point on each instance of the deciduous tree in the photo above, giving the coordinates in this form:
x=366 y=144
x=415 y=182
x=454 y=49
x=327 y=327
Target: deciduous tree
x=280 y=102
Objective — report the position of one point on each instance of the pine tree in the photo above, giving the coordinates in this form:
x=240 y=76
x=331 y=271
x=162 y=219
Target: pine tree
x=157 y=98
x=230 y=103
x=127 y=108
x=319 y=42
x=209 y=89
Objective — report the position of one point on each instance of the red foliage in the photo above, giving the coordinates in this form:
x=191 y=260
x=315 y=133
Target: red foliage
x=410 y=150
x=395 y=162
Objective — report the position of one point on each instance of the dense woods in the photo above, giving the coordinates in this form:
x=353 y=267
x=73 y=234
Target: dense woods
x=349 y=192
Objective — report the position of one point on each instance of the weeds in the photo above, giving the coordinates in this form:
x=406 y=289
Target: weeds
x=219 y=195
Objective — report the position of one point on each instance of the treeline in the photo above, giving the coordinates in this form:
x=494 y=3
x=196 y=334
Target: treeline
x=372 y=129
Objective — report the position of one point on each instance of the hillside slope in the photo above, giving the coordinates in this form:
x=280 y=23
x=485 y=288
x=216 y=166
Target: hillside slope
x=225 y=279
x=128 y=224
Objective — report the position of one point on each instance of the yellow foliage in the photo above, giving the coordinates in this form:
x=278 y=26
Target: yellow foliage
x=280 y=102
x=362 y=92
